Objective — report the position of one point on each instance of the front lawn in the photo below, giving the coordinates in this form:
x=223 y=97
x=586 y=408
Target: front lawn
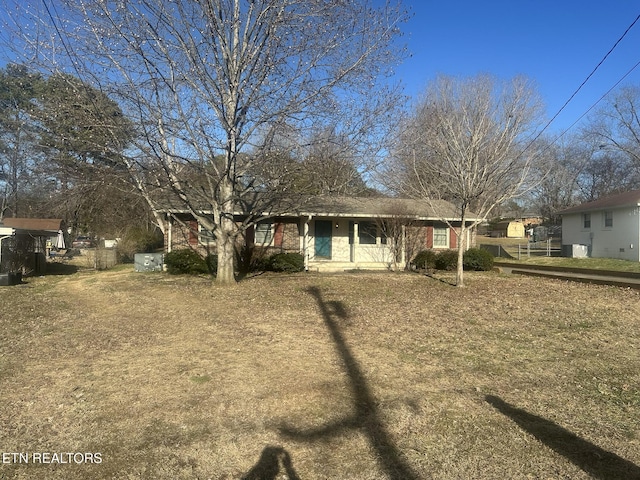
x=611 y=264
x=517 y=247
x=318 y=376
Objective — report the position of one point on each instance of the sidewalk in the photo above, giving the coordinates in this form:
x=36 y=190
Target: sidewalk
x=600 y=277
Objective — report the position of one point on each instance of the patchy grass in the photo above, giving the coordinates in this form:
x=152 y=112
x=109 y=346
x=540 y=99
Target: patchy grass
x=511 y=245
x=612 y=264
x=317 y=376
x=503 y=241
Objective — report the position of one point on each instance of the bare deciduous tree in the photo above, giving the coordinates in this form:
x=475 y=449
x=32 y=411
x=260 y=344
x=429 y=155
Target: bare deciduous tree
x=612 y=137
x=606 y=171
x=468 y=142
x=555 y=174
x=325 y=164
x=205 y=79
x=616 y=125
x=403 y=237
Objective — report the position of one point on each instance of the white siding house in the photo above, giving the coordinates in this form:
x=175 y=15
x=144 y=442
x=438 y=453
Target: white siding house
x=608 y=227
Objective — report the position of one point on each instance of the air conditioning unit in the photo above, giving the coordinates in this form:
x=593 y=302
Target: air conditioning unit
x=575 y=251
x=11 y=278
x=148 y=262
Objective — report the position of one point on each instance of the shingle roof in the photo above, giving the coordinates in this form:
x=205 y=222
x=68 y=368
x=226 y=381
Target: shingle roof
x=334 y=206
x=48 y=224
x=379 y=207
x=627 y=199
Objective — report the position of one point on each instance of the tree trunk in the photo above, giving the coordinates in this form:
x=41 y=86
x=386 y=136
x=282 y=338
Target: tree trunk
x=226 y=235
x=226 y=253
x=461 y=247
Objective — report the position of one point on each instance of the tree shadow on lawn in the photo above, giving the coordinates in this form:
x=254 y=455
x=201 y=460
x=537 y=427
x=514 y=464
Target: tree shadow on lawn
x=432 y=276
x=59 y=268
x=589 y=457
x=268 y=467
x=366 y=417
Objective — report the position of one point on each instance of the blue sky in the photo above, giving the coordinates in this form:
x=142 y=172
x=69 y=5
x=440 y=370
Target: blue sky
x=555 y=43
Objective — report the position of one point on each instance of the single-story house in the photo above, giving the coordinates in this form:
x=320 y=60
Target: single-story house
x=337 y=233
x=23 y=248
x=608 y=227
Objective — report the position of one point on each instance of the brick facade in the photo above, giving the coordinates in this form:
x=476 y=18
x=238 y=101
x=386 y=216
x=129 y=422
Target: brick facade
x=286 y=237
x=184 y=233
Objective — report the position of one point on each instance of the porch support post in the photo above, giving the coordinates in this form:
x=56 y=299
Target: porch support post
x=403 y=247
x=356 y=241
x=304 y=241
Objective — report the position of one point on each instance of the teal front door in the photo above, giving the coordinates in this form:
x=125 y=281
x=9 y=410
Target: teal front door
x=323 y=238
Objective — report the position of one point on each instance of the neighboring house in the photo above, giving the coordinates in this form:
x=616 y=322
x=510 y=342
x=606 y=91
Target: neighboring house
x=531 y=220
x=50 y=225
x=509 y=229
x=608 y=227
x=527 y=218
x=23 y=243
x=337 y=233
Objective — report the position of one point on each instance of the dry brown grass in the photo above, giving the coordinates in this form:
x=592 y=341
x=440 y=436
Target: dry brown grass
x=350 y=376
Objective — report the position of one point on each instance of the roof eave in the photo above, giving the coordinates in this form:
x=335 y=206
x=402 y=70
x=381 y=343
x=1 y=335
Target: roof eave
x=338 y=215
x=596 y=208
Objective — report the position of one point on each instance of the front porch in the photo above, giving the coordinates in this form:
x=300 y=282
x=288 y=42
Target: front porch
x=328 y=266
x=332 y=244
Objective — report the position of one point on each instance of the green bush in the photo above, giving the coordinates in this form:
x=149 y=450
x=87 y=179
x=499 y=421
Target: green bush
x=446 y=260
x=211 y=261
x=425 y=259
x=285 y=262
x=253 y=259
x=478 y=259
x=244 y=257
x=186 y=261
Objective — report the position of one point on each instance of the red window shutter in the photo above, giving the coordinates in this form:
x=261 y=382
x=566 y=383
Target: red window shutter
x=453 y=238
x=193 y=232
x=278 y=235
x=429 y=239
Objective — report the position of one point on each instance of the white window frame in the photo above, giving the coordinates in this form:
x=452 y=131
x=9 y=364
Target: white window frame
x=606 y=220
x=205 y=237
x=367 y=233
x=263 y=233
x=586 y=218
x=446 y=237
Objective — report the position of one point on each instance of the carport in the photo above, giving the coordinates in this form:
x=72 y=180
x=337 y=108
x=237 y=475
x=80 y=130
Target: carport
x=22 y=252
x=6 y=278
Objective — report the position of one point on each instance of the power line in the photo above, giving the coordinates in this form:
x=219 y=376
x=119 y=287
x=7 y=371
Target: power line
x=600 y=99
x=582 y=85
x=592 y=72
x=59 y=34
x=73 y=58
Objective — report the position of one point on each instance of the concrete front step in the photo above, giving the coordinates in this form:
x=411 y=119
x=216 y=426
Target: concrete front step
x=328 y=266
